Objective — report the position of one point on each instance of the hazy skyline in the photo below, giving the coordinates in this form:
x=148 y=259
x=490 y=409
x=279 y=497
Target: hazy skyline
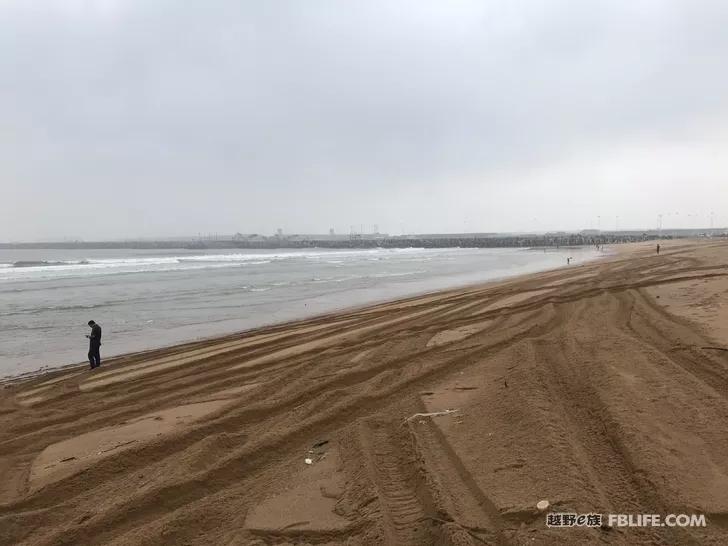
x=126 y=118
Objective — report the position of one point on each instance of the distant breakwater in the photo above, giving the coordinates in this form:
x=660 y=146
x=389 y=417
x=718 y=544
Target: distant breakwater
x=297 y=242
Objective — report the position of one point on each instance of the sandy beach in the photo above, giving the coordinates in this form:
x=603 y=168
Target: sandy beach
x=602 y=388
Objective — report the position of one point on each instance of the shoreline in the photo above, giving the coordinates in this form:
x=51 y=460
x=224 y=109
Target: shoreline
x=316 y=316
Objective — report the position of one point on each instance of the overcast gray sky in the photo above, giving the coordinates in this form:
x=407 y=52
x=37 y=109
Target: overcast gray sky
x=125 y=118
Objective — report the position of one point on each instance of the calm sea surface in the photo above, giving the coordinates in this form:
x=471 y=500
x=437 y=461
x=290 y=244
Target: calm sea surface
x=147 y=299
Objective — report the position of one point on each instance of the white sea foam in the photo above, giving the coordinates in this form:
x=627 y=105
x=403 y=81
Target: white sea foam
x=50 y=269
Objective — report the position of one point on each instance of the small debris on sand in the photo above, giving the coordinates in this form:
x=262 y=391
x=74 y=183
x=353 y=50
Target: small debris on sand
x=432 y=414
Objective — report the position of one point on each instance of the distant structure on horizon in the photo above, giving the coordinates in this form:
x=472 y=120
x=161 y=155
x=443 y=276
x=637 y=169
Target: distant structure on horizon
x=359 y=239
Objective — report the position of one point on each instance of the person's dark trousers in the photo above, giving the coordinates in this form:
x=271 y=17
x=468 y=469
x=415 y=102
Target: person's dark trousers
x=94 y=355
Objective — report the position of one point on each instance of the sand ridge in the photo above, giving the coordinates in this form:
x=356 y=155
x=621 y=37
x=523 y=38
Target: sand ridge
x=68 y=457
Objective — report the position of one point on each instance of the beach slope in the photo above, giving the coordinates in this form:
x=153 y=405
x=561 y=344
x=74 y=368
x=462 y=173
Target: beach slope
x=441 y=419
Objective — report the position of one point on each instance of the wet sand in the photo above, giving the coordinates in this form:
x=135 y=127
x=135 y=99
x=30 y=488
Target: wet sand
x=601 y=388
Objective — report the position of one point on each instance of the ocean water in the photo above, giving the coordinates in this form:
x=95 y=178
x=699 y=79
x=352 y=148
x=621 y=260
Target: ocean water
x=149 y=298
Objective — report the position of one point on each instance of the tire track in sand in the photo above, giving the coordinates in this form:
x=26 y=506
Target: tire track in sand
x=392 y=469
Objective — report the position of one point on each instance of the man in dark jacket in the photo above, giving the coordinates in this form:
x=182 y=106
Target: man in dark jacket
x=94 y=354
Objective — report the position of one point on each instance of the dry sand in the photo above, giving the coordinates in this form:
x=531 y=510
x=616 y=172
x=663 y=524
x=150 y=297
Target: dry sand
x=601 y=388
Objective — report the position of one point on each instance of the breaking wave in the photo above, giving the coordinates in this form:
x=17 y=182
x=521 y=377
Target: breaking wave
x=49 y=269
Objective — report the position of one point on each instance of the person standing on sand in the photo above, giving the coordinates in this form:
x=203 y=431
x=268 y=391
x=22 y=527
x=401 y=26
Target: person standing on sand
x=94 y=349
x=658 y=249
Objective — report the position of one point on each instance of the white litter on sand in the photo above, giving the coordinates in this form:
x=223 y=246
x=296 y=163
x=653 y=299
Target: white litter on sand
x=433 y=414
